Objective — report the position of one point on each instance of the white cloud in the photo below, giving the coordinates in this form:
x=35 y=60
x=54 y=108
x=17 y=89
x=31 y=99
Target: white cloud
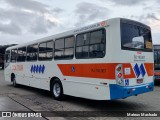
x=89 y=12
x=26 y=20
x=27 y=16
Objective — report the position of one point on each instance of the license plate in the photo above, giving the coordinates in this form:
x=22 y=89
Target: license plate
x=139 y=81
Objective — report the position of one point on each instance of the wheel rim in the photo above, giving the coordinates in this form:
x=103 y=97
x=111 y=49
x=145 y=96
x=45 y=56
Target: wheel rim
x=56 y=89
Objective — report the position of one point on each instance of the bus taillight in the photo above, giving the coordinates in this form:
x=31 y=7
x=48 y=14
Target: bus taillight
x=119 y=74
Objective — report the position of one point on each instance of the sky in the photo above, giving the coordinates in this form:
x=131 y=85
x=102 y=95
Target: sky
x=27 y=20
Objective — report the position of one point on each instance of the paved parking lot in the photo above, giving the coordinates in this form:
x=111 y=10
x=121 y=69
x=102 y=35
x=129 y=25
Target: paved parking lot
x=30 y=99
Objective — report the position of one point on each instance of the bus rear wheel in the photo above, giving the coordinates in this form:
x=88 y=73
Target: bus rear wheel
x=57 y=90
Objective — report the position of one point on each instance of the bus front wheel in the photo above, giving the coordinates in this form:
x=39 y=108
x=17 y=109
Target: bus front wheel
x=57 y=90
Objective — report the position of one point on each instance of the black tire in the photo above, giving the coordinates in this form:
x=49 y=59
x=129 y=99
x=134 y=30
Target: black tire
x=14 y=82
x=57 y=90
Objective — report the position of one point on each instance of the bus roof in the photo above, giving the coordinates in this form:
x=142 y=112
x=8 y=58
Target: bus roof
x=76 y=30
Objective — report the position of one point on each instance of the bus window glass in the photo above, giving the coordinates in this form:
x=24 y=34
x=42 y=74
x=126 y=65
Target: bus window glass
x=69 y=42
x=83 y=39
x=21 y=57
x=29 y=53
x=157 y=59
x=49 y=50
x=69 y=47
x=59 y=44
x=97 y=37
x=68 y=53
x=49 y=46
x=82 y=43
x=13 y=55
x=59 y=49
x=42 y=47
x=7 y=56
x=45 y=51
x=32 y=52
x=134 y=37
x=97 y=44
x=93 y=45
x=64 y=48
x=59 y=54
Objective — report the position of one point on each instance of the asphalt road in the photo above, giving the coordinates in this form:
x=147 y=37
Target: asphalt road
x=25 y=98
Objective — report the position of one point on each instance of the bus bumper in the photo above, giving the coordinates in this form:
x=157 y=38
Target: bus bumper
x=117 y=92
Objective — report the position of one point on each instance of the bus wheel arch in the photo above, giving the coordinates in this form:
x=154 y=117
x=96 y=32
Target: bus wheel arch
x=56 y=88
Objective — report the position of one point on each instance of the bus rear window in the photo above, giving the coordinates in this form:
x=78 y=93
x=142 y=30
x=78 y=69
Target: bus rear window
x=135 y=37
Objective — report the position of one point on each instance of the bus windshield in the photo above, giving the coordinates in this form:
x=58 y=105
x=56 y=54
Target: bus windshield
x=135 y=37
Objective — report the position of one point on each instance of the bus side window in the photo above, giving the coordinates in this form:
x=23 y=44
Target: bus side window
x=59 y=49
x=21 y=57
x=42 y=54
x=46 y=51
x=82 y=45
x=7 y=56
x=69 y=47
x=91 y=44
x=32 y=52
x=64 y=48
x=97 y=44
x=13 y=55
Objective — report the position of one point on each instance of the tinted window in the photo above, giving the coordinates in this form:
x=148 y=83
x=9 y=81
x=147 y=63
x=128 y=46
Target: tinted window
x=59 y=44
x=135 y=37
x=83 y=39
x=21 y=56
x=46 y=50
x=97 y=44
x=32 y=51
x=42 y=47
x=91 y=44
x=69 y=42
x=49 y=46
x=69 y=47
x=157 y=59
x=64 y=48
x=13 y=55
x=7 y=56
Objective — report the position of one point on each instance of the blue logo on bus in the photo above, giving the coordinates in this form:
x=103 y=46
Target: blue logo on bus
x=73 y=69
x=126 y=82
x=37 y=69
x=139 y=70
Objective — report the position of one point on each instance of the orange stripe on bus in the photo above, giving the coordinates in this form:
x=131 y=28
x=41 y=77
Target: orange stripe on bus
x=103 y=71
x=100 y=70
x=149 y=68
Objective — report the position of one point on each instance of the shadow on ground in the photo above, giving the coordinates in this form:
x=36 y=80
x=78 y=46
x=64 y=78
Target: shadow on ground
x=95 y=105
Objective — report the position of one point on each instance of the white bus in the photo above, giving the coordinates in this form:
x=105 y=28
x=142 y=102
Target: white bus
x=108 y=60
